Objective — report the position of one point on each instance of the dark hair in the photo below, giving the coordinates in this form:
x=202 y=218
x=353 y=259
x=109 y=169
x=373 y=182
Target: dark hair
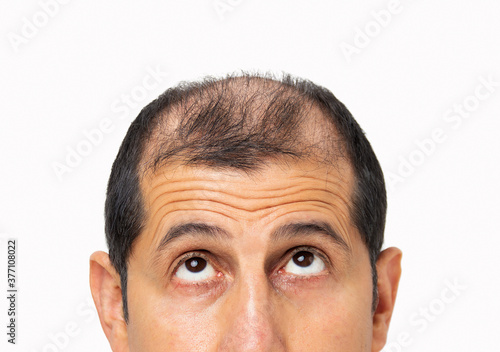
x=241 y=122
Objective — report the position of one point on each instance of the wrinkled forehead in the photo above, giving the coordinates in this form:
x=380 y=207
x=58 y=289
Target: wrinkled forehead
x=263 y=187
x=274 y=194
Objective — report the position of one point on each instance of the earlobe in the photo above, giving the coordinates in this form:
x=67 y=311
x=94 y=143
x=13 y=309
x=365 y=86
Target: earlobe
x=107 y=295
x=389 y=273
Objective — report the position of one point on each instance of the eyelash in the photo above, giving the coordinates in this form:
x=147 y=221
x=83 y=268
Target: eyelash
x=290 y=253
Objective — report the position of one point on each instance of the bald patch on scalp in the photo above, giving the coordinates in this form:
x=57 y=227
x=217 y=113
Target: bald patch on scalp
x=241 y=123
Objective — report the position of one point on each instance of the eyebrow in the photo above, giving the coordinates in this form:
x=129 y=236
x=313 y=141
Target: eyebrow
x=303 y=228
x=283 y=232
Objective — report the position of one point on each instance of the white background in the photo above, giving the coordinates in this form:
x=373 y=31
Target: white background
x=65 y=69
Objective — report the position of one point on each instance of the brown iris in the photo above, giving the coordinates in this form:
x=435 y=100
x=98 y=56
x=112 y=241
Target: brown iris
x=303 y=258
x=196 y=264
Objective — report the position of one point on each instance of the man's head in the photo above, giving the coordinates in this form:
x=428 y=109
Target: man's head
x=245 y=213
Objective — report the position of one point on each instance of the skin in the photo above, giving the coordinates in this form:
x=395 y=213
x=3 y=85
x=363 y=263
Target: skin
x=251 y=295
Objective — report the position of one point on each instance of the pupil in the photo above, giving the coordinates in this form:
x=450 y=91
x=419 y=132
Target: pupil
x=196 y=265
x=303 y=258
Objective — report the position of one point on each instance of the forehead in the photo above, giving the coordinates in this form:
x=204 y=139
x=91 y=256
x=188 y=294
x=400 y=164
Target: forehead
x=265 y=182
x=276 y=192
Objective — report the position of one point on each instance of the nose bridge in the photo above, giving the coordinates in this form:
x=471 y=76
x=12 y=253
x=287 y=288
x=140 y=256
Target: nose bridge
x=251 y=310
x=255 y=298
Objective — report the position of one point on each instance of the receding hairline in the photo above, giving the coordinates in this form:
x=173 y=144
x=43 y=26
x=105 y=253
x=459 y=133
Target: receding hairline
x=321 y=140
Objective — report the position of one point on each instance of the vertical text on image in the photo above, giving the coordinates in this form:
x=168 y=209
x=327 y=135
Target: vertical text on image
x=12 y=291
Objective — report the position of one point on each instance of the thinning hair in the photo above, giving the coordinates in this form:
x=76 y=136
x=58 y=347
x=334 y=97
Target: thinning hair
x=241 y=122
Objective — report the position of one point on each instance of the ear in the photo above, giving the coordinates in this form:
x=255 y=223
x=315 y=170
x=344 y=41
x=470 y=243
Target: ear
x=107 y=295
x=389 y=273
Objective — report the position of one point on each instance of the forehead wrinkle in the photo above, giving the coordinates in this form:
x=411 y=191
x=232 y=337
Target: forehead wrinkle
x=216 y=188
x=337 y=186
x=168 y=193
x=224 y=191
x=257 y=207
x=198 y=201
x=343 y=229
x=333 y=207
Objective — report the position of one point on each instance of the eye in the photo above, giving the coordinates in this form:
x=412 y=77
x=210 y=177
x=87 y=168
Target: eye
x=195 y=268
x=305 y=263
